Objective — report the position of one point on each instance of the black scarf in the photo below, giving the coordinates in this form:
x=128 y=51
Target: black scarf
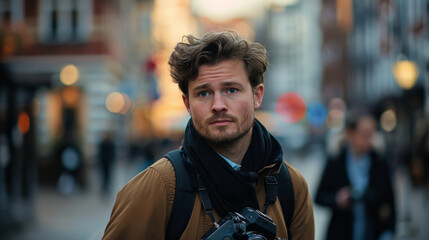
x=230 y=190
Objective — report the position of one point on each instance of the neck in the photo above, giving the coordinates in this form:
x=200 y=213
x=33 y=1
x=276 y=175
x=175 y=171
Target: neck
x=236 y=150
x=356 y=153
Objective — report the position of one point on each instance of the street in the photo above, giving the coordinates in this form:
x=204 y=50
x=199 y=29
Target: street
x=83 y=215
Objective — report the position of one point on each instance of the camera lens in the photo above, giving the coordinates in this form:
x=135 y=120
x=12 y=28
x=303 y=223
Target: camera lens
x=255 y=236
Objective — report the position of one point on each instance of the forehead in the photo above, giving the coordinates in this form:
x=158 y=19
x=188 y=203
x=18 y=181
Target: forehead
x=366 y=124
x=225 y=64
x=231 y=70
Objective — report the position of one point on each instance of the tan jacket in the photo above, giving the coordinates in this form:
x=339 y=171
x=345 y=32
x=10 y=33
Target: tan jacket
x=142 y=208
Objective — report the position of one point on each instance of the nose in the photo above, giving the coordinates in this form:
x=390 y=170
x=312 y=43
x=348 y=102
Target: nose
x=218 y=103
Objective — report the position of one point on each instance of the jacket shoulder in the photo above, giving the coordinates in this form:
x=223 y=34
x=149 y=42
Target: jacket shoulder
x=298 y=181
x=161 y=170
x=143 y=205
x=166 y=174
x=165 y=168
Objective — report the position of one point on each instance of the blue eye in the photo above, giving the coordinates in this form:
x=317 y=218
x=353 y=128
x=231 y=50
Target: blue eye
x=232 y=90
x=203 y=94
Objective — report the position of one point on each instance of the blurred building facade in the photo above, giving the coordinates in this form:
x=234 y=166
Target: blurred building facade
x=389 y=54
x=382 y=33
x=366 y=38
x=381 y=53
x=50 y=126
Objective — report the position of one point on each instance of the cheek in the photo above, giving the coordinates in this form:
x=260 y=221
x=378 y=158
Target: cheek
x=198 y=110
x=248 y=107
x=364 y=143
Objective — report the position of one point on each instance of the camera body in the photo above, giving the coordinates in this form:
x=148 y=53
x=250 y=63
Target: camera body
x=248 y=224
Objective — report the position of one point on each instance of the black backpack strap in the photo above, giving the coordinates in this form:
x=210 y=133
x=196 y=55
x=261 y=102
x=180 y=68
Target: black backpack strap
x=184 y=197
x=271 y=187
x=286 y=196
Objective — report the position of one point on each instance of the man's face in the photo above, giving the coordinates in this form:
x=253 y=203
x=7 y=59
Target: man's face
x=222 y=102
x=361 y=138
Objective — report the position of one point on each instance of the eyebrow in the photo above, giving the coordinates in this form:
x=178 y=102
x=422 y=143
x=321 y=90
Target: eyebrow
x=231 y=84
x=201 y=87
x=224 y=84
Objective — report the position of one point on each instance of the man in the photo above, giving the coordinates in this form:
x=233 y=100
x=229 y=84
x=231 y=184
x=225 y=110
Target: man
x=356 y=185
x=221 y=77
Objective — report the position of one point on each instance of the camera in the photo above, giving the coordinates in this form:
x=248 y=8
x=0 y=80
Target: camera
x=249 y=224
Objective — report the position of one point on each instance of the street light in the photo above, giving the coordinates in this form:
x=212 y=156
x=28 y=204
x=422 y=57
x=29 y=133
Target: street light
x=405 y=73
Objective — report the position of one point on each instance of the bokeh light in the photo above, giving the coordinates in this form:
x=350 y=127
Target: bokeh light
x=291 y=107
x=388 y=120
x=70 y=159
x=405 y=73
x=118 y=102
x=69 y=74
x=114 y=102
x=127 y=104
x=23 y=122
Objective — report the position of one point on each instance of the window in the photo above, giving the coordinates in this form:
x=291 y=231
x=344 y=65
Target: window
x=64 y=20
x=11 y=12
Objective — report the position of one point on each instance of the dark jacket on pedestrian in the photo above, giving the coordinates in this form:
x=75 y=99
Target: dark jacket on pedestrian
x=378 y=198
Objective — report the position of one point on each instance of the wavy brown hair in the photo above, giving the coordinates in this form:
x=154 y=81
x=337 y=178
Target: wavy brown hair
x=213 y=48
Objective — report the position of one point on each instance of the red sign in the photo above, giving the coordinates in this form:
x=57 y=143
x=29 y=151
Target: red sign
x=291 y=107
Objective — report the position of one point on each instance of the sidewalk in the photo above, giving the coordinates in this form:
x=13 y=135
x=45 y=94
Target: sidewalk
x=82 y=215
x=412 y=209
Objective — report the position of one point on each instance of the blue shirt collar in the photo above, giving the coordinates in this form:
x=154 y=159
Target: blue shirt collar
x=234 y=165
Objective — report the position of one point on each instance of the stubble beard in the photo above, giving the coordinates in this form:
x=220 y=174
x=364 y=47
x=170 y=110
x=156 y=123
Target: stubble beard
x=229 y=139
x=224 y=139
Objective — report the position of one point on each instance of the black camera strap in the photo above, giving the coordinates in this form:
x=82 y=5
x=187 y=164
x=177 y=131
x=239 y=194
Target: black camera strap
x=205 y=200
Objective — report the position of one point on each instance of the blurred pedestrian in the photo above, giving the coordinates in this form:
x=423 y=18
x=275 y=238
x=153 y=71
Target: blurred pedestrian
x=419 y=162
x=227 y=155
x=356 y=185
x=106 y=158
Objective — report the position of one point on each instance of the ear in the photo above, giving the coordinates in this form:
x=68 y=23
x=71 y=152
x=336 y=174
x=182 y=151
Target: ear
x=186 y=102
x=258 y=94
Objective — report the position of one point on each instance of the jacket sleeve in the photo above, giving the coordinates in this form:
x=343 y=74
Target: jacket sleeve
x=302 y=226
x=329 y=186
x=141 y=207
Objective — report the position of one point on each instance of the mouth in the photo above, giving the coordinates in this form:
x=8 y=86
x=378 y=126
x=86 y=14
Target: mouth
x=221 y=122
